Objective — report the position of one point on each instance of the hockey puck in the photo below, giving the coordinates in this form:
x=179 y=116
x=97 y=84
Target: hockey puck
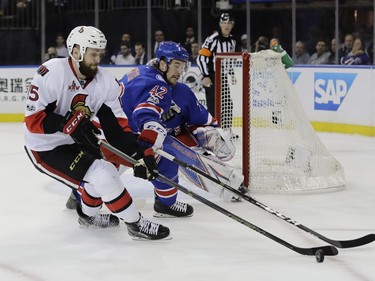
x=319 y=255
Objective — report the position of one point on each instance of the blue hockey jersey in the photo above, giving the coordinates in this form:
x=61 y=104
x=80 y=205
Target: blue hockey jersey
x=192 y=113
x=146 y=96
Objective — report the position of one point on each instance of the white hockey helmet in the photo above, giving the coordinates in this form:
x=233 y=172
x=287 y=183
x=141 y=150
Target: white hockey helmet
x=85 y=37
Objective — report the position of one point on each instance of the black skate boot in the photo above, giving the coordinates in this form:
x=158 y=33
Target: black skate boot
x=73 y=200
x=144 y=229
x=178 y=209
x=98 y=221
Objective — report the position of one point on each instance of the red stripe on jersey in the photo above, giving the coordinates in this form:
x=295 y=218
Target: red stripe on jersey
x=34 y=123
x=53 y=170
x=119 y=204
x=166 y=193
x=149 y=106
x=124 y=123
x=90 y=200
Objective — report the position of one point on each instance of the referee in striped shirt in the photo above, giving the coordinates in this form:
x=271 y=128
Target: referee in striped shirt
x=219 y=42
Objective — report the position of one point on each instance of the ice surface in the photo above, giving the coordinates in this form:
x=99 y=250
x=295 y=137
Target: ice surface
x=40 y=240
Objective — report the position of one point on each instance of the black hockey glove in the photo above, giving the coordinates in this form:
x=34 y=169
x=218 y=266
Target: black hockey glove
x=146 y=168
x=81 y=129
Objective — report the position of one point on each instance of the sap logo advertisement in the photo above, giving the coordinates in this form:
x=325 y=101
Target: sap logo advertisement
x=294 y=76
x=330 y=89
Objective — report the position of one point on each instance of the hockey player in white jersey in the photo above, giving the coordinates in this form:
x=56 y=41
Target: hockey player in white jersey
x=60 y=138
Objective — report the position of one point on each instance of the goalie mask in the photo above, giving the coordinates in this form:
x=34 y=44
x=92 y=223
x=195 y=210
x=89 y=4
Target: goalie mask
x=85 y=37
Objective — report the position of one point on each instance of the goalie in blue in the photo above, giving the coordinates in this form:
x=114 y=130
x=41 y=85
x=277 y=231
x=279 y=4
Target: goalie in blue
x=157 y=105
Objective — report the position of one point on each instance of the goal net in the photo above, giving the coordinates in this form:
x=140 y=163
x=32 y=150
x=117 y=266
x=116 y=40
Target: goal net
x=276 y=146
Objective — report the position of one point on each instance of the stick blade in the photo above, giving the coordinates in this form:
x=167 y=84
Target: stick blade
x=327 y=250
x=357 y=242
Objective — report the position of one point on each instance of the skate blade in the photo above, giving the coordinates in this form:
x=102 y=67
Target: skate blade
x=136 y=238
x=167 y=216
x=98 y=227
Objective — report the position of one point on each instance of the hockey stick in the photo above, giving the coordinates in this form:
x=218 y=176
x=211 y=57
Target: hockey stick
x=327 y=250
x=337 y=243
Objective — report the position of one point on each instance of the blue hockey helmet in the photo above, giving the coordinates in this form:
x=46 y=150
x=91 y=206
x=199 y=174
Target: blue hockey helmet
x=170 y=50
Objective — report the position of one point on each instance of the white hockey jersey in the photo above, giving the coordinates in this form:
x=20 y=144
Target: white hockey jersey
x=55 y=89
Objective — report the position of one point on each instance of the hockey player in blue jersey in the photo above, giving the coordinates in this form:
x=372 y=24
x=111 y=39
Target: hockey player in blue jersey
x=156 y=105
x=147 y=96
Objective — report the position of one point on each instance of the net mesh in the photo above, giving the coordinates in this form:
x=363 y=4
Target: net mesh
x=284 y=152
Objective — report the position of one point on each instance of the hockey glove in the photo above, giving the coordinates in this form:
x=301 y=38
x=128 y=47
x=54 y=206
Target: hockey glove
x=146 y=168
x=172 y=111
x=81 y=129
x=153 y=134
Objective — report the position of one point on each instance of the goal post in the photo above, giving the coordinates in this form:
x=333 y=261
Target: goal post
x=276 y=147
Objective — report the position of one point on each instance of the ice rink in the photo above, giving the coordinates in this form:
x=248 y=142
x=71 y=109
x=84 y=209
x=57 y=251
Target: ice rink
x=40 y=239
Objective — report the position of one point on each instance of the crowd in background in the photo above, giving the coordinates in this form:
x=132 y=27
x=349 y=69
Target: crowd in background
x=355 y=49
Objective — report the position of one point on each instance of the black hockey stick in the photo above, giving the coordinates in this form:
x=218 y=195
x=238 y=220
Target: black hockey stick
x=327 y=250
x=337 y=243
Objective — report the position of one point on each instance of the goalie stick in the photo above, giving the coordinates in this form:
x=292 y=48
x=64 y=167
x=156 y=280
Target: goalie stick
x=327 y=250
x=337 y=243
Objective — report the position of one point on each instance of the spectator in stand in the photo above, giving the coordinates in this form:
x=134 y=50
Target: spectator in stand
x=124 y=57
x=242 y=47
x=321 y=56
x=127 y=38
x=159 y=37
x=140 y=54
x=51 y=53
x=348 y=45
x=261 y=44
x=332 y=56
x=194 y=52
x=300 y=55
x=61 y=50
x=357 y=56
x=190 y=38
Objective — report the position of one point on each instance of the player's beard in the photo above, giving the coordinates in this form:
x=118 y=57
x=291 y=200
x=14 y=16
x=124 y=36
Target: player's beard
x=87 y=71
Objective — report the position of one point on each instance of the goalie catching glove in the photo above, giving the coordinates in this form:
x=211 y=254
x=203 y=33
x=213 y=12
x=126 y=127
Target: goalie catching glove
x=146 y=168
x=80 y=128
x=153 y=134
x=215 y=140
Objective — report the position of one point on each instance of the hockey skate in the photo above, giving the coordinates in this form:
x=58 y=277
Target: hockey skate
x=144 y=229
x=98 y=221
x=177 y=210
x=72 y=202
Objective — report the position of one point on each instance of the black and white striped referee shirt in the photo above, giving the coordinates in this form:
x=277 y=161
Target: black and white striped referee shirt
x=214 y=44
